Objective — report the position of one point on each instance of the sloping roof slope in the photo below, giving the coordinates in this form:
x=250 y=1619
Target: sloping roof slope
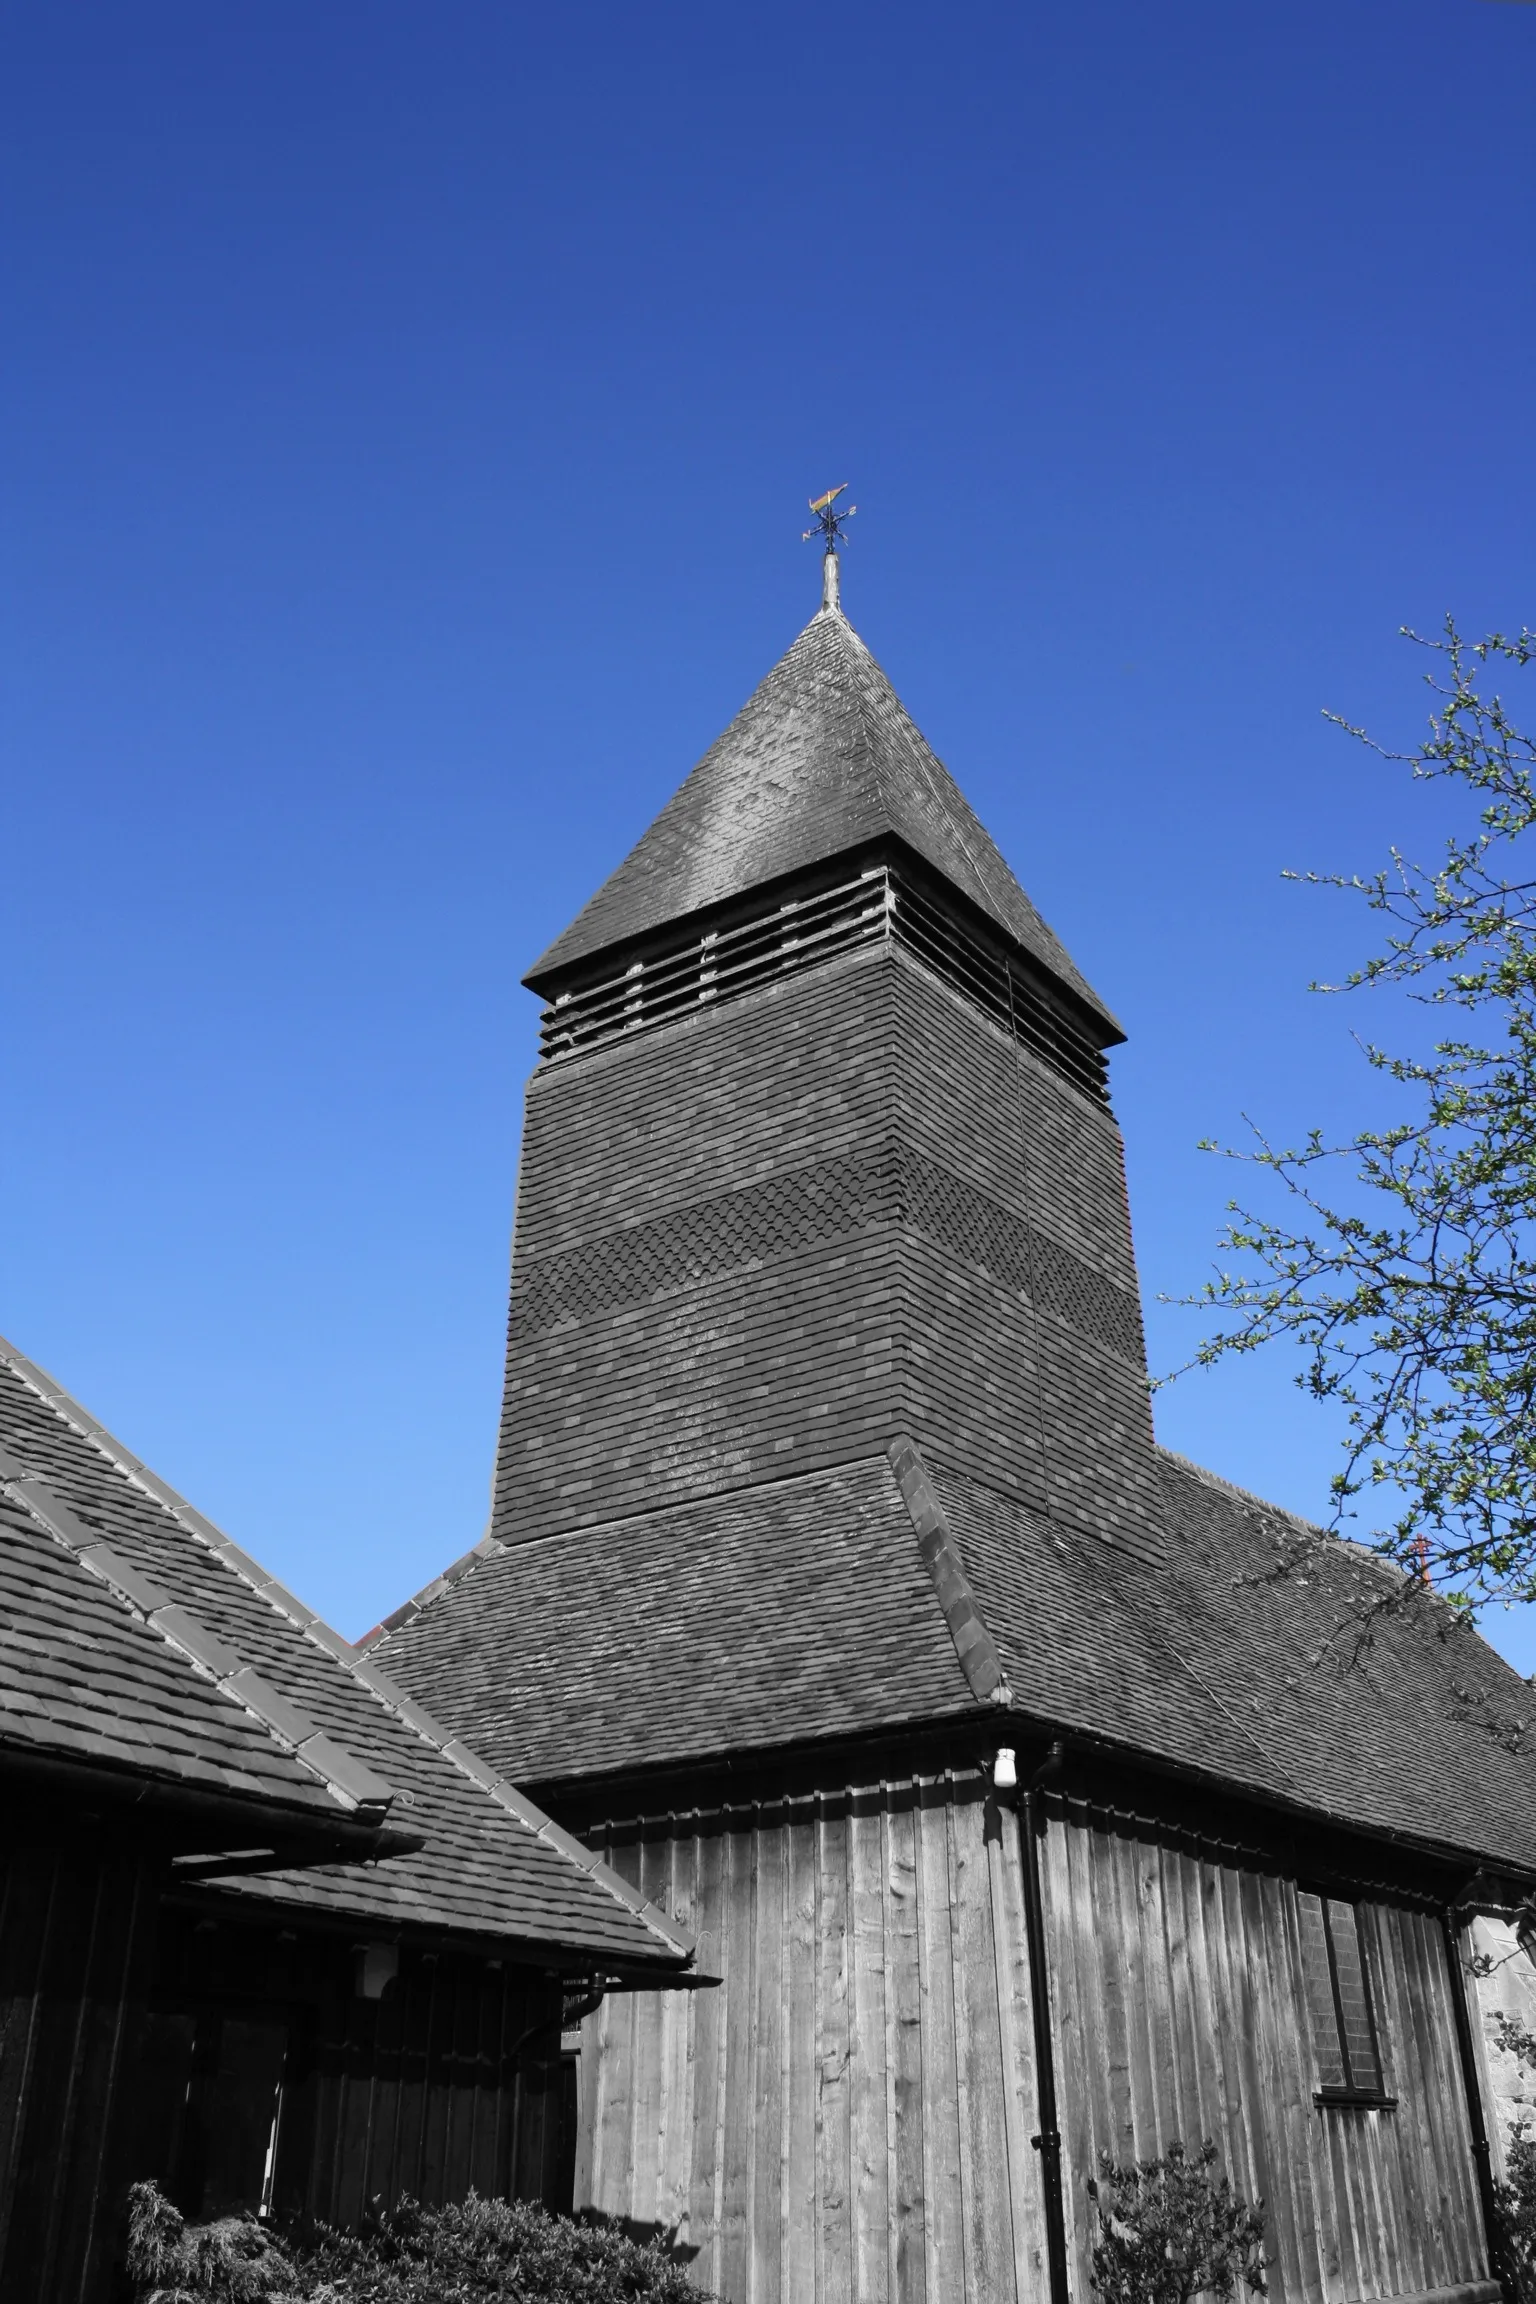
x=83 y=1678
x=797 y=1610
x=1245 y=1660
x=492 y=1865
x=746 y=1620
x=822 y=758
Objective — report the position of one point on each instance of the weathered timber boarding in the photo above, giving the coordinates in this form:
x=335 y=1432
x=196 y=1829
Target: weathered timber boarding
x=1181 y=2012
x=857 y=2104
x=452 y=2078
x=240 y=2066
x=850 y=2114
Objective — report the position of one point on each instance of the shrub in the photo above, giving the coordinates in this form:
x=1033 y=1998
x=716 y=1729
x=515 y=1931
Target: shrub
x=1171 y=2229
x=487 y=2249
x=236 y=2260
x=475 y=2253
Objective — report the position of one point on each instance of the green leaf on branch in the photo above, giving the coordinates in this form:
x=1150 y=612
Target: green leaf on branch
x=1418 y=1320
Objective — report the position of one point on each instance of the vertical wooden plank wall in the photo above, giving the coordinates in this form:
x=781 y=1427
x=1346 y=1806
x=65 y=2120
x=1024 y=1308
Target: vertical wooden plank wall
x=76 y=1935
x=849 y=2116
x=1179 y=2013
x=431 y=2090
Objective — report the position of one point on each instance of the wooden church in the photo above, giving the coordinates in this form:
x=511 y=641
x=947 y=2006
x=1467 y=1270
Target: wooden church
x=1025 y=1785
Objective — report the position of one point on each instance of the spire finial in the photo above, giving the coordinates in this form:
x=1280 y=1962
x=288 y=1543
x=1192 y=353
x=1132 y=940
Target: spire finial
x=829 y=524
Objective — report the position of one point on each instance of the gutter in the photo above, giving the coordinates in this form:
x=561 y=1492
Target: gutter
x=1095 y=1745
x=190 y=1823
x=1048 y=2142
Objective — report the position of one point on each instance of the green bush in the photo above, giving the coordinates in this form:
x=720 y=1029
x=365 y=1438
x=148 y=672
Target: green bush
x=1171 y=2229
x=476 y=2253
x=236 y=2260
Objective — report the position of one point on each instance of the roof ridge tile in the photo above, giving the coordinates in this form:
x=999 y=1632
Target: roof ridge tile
x=486 y=1549
x=974 y=1645
x=349 y=1780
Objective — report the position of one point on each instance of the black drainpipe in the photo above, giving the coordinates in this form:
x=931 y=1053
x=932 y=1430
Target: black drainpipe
x=1482 y=2152
x=1048 y=2142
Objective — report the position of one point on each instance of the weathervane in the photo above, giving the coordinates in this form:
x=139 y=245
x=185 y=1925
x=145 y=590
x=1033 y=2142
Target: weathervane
x=829 y=521
x=829 y=527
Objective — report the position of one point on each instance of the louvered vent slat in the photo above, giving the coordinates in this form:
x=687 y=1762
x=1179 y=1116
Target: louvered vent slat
x=879 y=905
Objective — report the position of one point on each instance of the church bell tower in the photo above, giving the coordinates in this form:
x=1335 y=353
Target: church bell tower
x=819 y=1149
x=837 y=1596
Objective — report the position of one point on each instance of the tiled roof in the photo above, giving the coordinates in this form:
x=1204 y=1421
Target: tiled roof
x=491 y=1866
x=806 y=1609
x=1426 y=1732
x=751 y=1619
x=84 y=1678
x=820 y=760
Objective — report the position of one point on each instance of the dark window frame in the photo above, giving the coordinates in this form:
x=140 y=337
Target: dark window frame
x=1355 y=2089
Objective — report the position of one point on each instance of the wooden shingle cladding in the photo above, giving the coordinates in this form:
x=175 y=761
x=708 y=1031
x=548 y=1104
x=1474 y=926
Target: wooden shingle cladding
x=728 y=1623
x=88 y=1683
x=785 y=1613
x=763 y=1240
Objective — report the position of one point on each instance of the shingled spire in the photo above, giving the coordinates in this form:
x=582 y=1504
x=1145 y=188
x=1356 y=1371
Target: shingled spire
x=821 y=762
x=819 y=1152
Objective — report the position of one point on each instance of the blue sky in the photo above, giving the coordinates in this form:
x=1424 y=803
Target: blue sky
x=407 y=418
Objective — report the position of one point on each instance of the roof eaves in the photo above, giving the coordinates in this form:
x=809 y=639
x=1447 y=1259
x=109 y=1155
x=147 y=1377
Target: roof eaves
x=677 y=1940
